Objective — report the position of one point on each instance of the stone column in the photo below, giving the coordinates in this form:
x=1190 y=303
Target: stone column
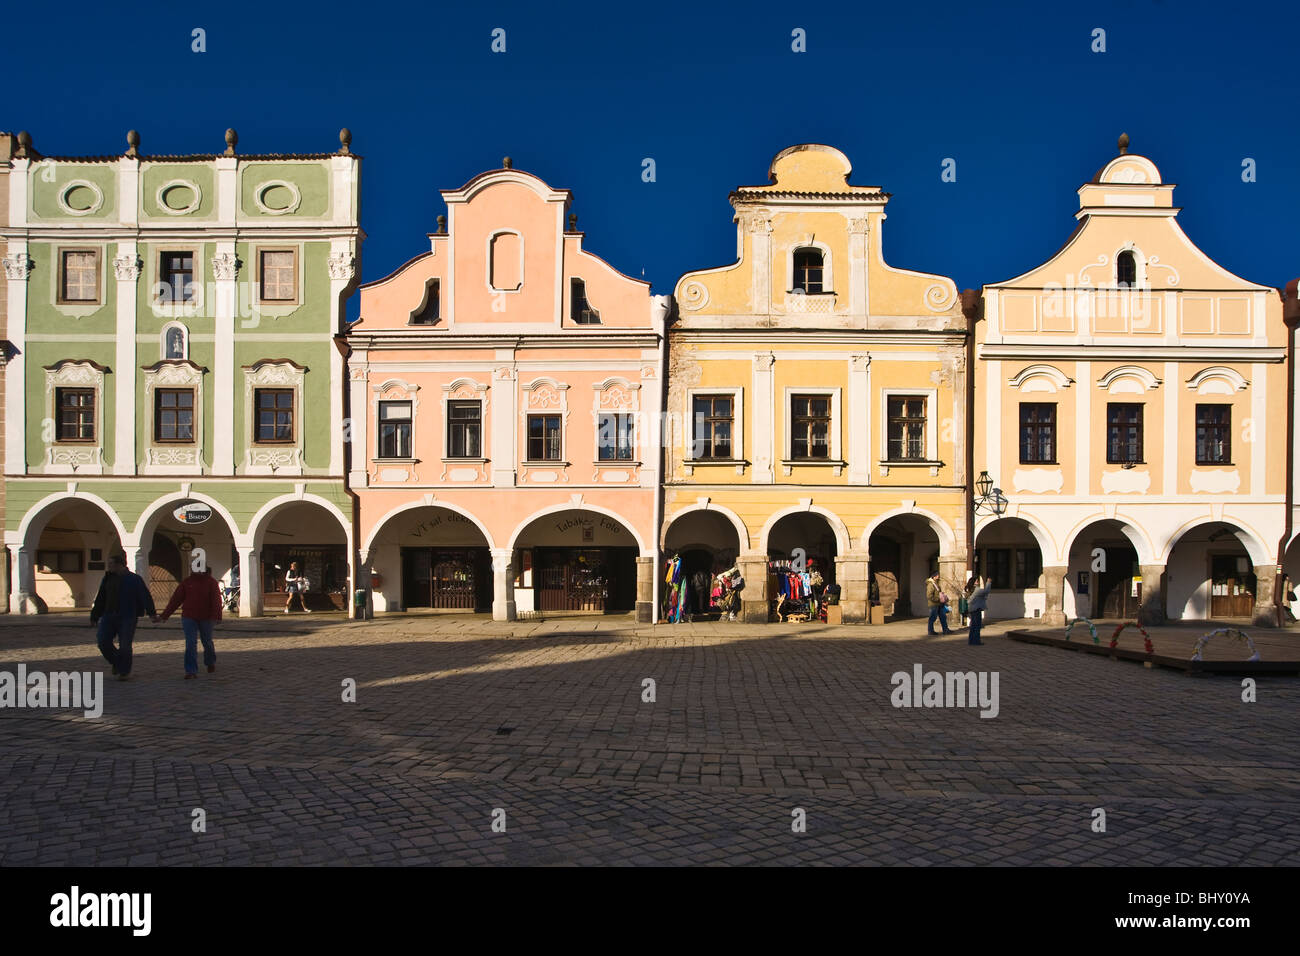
x=1266 y=611
x=645 y=570
x=753 y=600
x=851 y=576
x=1152 y=610
x=22 y=600
x=250 y=583
x=1054 y=587
x=503 y=585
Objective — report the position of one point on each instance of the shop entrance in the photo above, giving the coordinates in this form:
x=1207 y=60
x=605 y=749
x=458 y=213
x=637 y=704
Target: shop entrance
x=1232 y=586
x=575 y=561
x=1119 y=587
x=447 y=579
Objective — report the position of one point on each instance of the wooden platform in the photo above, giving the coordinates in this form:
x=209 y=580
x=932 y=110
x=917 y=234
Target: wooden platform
x=1085 y=645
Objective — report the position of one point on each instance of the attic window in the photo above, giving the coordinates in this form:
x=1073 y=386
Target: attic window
x=506 y=262
x=1126 y=270
x=428 y=312
x=808 y=271
x=580 y=309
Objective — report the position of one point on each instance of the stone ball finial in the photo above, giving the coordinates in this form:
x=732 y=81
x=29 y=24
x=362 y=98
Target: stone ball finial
x=132 y=142
x=25 y=140
x=232 y=140
x=1123 y=143
x=442 y=225
x=507 y=163
x=345 y=138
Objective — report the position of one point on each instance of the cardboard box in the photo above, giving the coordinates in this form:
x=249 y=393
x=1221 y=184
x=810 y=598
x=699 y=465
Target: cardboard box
x=834 y=614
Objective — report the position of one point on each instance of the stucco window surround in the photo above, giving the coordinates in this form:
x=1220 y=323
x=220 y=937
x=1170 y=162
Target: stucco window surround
x=74 y=458
x=797 y=301
x=618 y=396
x=77 y=308
x=1141 y=280
x=490 y=255
x=1128 y=379
x=931 y=460
x=836 y=461
x=1040 y=378
x=545 y=396
x=159 y=302
x=464 y=390
x=274 y=458
x=277 y=308
x=174 y=333
x=1217 y=380
x=690 y=463
x=173 y=458
x=262 y=188
x=393 y=390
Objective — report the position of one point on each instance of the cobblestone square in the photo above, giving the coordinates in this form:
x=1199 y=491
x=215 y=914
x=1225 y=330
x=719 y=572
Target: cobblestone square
x=457 y=717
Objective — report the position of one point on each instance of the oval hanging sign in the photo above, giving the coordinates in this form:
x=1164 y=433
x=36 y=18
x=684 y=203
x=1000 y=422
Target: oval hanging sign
x=192 y=514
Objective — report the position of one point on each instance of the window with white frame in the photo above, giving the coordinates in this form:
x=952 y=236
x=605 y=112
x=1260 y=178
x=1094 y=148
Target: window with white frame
x=395 y=429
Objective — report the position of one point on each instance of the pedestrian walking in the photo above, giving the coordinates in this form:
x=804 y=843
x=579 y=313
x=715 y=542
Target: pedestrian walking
x=977 y=599
x=937 y=600
x=199 y=598
x=123 y=598
x=295 y=582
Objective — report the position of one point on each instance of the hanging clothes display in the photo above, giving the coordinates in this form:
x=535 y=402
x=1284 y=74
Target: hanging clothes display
x=797 y=594
x=675 y=606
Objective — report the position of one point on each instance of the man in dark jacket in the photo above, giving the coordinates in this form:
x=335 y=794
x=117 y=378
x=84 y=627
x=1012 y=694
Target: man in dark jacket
x=199 y=598
x=122 y=598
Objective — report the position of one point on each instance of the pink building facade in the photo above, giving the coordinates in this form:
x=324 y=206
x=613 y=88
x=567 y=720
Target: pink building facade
x=504 y=408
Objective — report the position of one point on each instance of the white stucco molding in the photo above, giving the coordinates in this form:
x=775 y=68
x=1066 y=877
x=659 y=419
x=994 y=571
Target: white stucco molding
x=1218 y=379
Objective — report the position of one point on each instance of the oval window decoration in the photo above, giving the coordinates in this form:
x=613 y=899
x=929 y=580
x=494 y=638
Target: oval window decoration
x=192 y=513
x=81 y=198
x=278 y=197
x=178 y=197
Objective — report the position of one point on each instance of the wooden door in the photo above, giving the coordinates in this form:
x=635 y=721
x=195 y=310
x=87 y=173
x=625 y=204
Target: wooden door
x=1117 y=595
x=1232 y=589
x=417 y=577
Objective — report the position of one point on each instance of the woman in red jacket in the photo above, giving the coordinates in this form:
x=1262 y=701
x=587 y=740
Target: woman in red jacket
x=199 y=598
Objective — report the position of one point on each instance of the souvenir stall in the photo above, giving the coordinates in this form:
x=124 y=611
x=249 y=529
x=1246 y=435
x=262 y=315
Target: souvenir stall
x=796 y=595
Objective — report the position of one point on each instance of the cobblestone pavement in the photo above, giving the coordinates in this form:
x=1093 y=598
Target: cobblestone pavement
x=456 y=717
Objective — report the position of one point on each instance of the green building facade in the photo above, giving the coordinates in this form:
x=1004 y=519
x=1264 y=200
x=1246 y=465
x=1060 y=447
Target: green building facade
x=174 y=389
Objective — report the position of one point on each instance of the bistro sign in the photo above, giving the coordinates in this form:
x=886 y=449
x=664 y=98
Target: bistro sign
x=192 y=513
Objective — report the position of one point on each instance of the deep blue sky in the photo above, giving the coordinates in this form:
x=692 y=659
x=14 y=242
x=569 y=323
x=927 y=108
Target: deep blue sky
x=584 y=92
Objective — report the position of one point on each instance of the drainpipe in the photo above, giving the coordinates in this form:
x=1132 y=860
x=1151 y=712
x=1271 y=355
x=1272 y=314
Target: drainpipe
x=341 y=343
x=972 y=306
x=1291 y=318
x=664 y=318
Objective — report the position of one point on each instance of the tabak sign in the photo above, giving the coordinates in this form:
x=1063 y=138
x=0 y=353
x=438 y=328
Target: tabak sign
x=192 y=513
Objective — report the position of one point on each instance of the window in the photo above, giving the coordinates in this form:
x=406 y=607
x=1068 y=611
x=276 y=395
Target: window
x=1126 y=270
x=394 y=429
x=808 y=270
x=997 y=562
x=712 y=415
x=279 y=275
x=1029 y=567
x=580 y=309
x=506 y=262
x=1123 y=434
x=810 y=426
x=430 y=312
x=59 y=562
x=173 y=415
x=464 y=426
x=543 y=437
x=1037 y=433
x=174 y=343
x=76 y=414
x=274 y=423
x=176 y=276
x=616 y=440
x=80 y=279
x=1214 y=434
x=906 y=428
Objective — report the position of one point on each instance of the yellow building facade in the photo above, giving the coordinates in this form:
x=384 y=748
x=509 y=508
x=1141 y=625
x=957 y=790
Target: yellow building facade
x=816 y=405
x=1130 y=399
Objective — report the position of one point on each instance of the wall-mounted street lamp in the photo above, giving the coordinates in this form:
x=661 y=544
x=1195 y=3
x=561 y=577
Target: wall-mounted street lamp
x=991 y=500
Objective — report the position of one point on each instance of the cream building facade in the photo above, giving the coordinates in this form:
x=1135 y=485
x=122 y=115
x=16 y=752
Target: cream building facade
x=816 y=400
x=1129 y=394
